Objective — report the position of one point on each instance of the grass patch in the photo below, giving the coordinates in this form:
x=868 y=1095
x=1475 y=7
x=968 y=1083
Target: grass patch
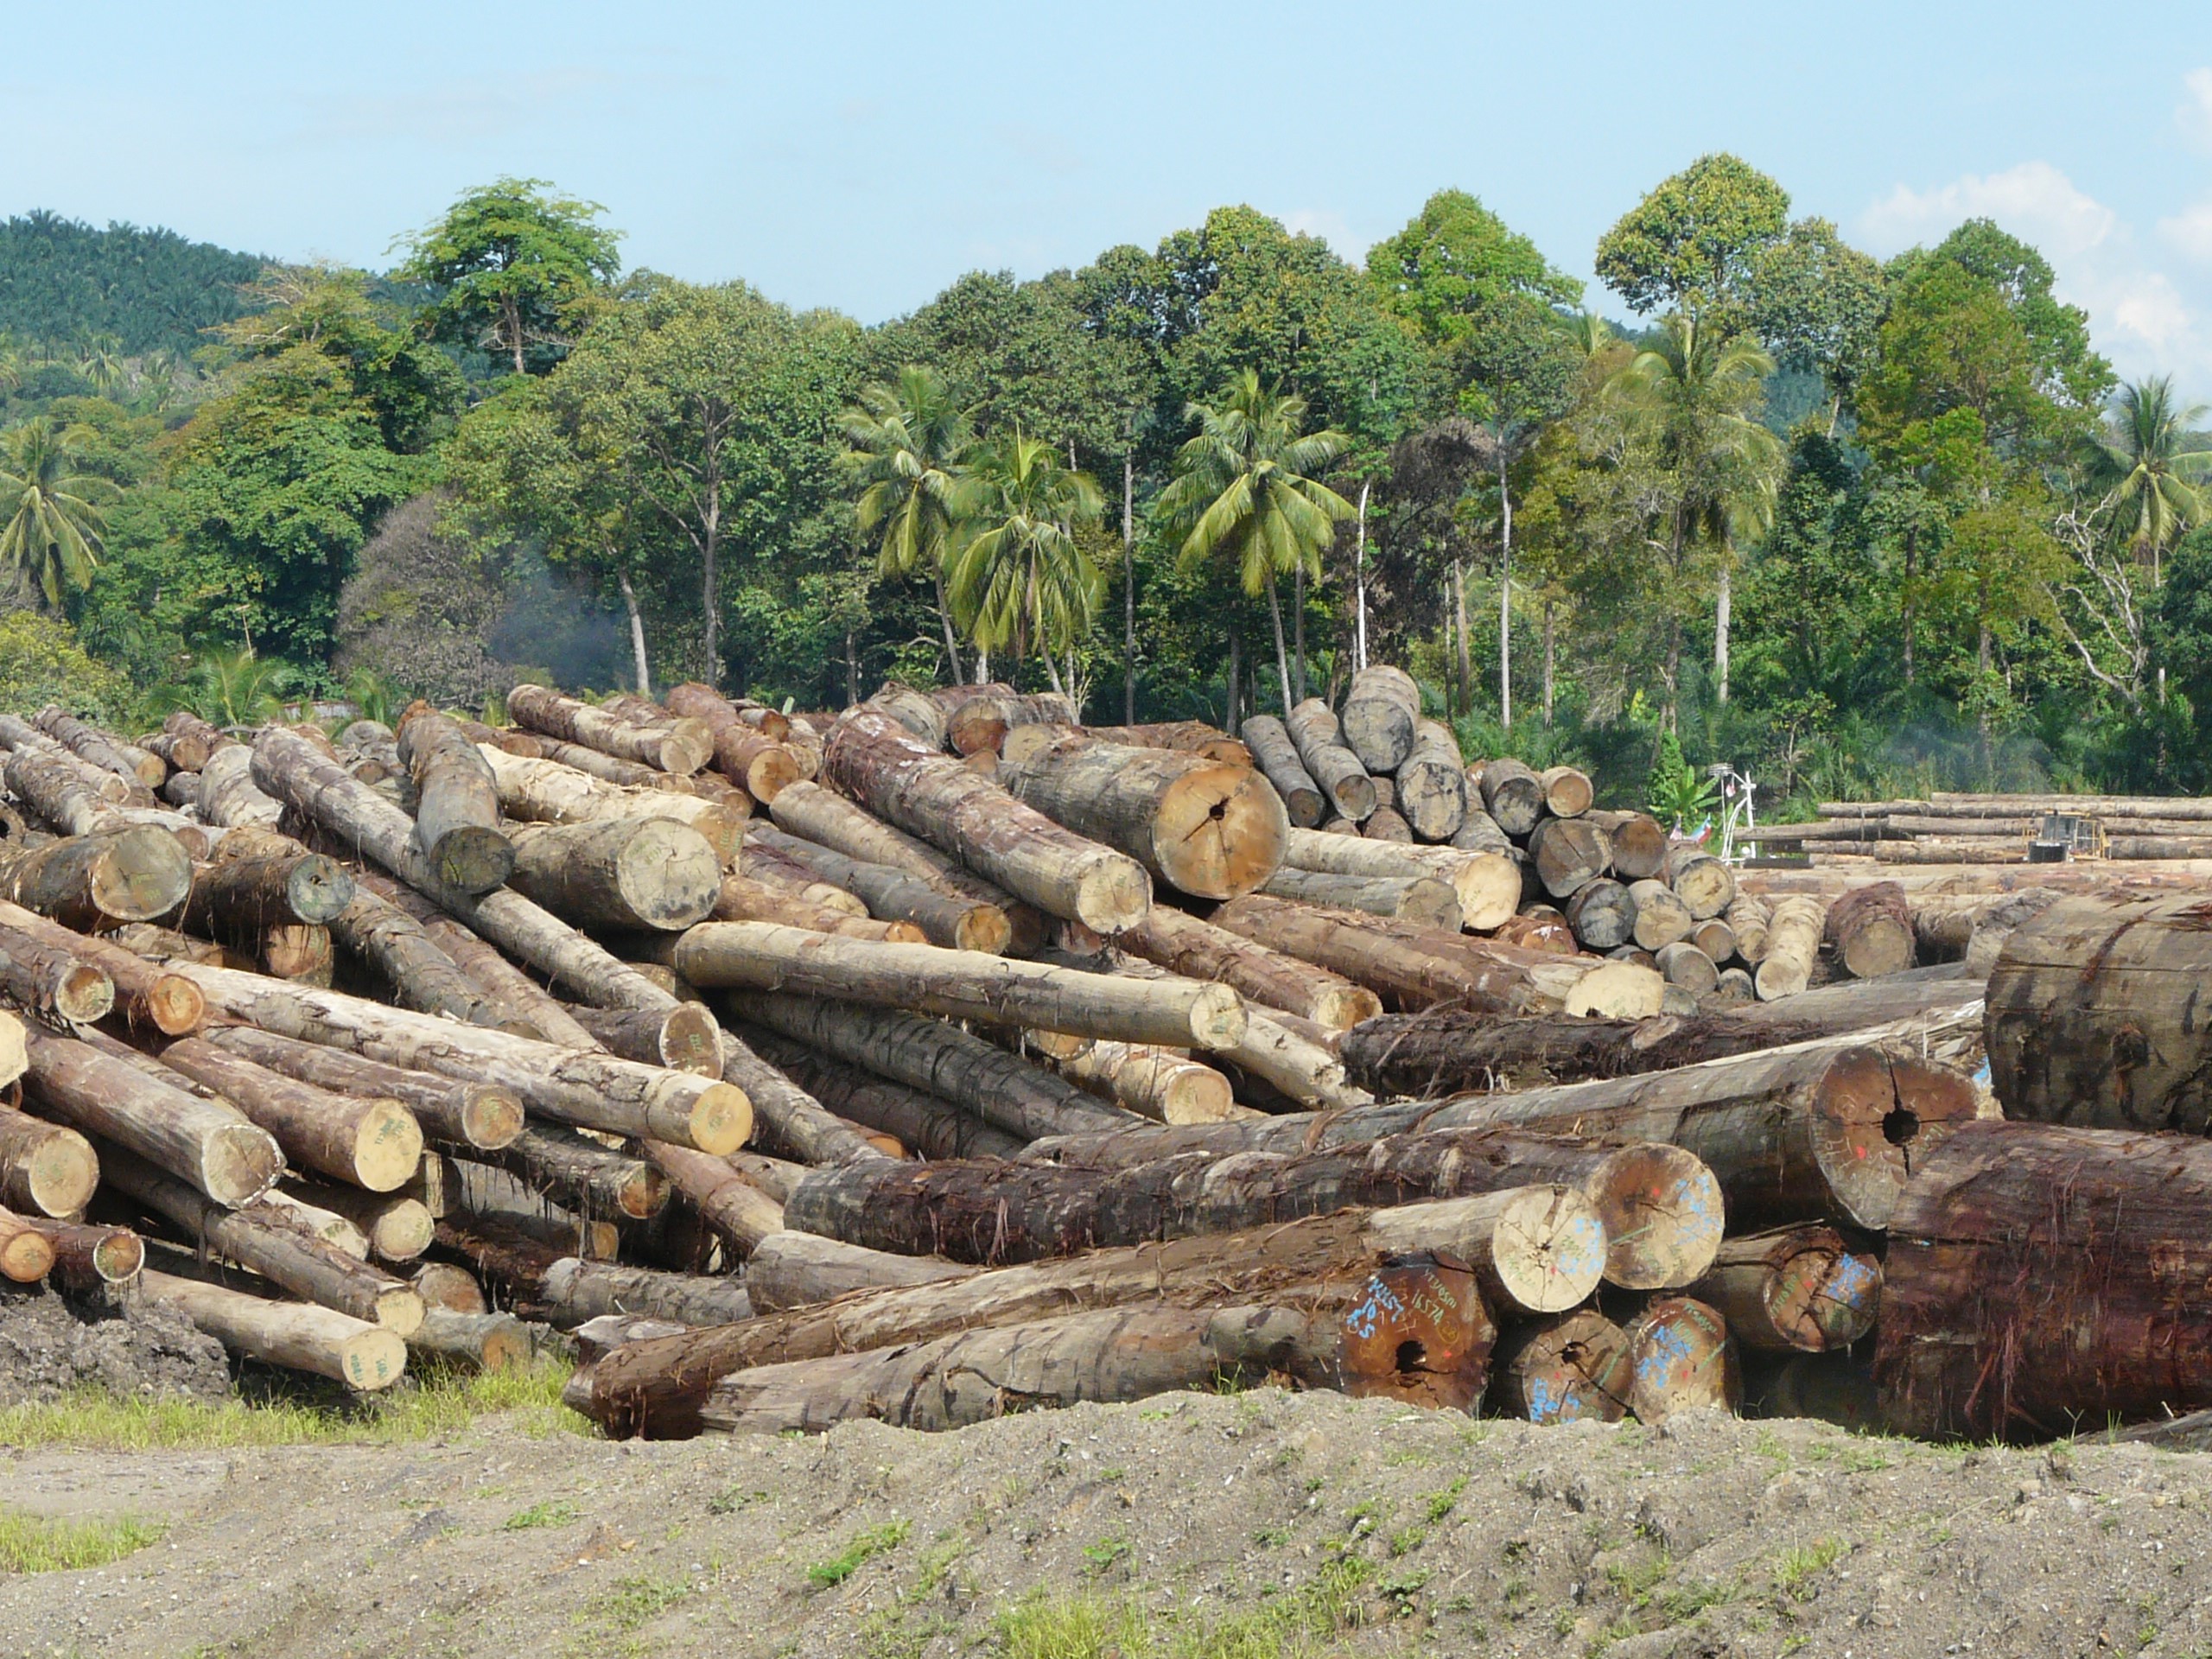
x=1308 y=1622
x=876 y=1540
x=633 y=1603
x=440 y=1402
x=1795 y=1573
x=1438 y=1505
x=555 y=1512
x=30 y=1543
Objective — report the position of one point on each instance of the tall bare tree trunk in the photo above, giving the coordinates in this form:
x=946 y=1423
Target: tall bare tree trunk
x=1911 y=547
x=1298 y=623
x=1235 y=662
x=513 y=307
x=636 y=635
x=1550 y=660
x=1359 y=582
x=1283 y=657
x=944 y=620
x=710 y=590
x=1504 y=600
x=1722 y=595
x=1129 y=590
x=1981 y=655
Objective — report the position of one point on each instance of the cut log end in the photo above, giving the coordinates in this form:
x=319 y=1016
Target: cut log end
x=387 y=1147
x=471 y=857
x=1878 y=1115
x=62 y=1172
x=1663 y=1215
x=175 y=1005
x=1419 y=1332
x=83 y=994
x=399 y=1310
x=26 y=1256
x=719 y=1121
x=1547 y=1250
x=1681 y=1359
x=1112 y=895
x=373 y=1358
x=1217 y=1018
x=1571 y=1369
x=238 y=1163
x=1339 y=1008
x=491 y=1116
x=1219 y=832
x=1618 y=990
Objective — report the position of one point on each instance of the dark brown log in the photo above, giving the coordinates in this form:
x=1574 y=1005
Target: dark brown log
x=1570 y=854
x=565 y=1291
x=648 y=873
x=1639 y=844
x=1682 y=1357
x=1381 y=710
x=582 y=1175
x=1572 y=1368
x=1513 y=795
x=879 y=763
x=45 y=1169
x=457 y=804
x=193 y=740
x=933 y=1126
x=1602 y=915
x=468 y=1116
x=937 y=1057
x=2039 y=1277
x=45 y=979
x=490 y=991
x=1204 y=827
x=87 y=1258
x=746 y=755
x=1197 y=950
x=1276 y=756
x=133 y=875
x=893 y=895
x=1871 y=929
x=1796 y=1288
x=979 y=722
x=1539 y=927
x=371 y=1142
x=680 y=748
x=1430 y=789
x=1194 y=736
x=1344 y=782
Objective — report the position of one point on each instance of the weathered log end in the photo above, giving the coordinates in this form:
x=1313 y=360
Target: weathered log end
x=237 y=1163
x=473 y=858
x=55 y=1173
x=1680 y=1358
x=1572 y=1368
x=718 y=1119
x=1663 y=1215
x=1875 y=1116
x=26 y=1253
x=1418 y=1331
x=1547 y=1250
x=1219 y=832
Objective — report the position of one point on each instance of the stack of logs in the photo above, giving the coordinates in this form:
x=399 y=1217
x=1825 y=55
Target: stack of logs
x=1970 y=829
x=946 y=1055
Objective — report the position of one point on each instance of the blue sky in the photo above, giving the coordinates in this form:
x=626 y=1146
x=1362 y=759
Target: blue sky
x=862 y=155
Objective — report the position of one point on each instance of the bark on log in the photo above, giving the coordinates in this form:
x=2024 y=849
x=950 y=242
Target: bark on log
x=682 y=1038
x=371 y=1143
x=88 y=1258
x=1801 y=1289
x=1513 y=795
x=1152 y=1083
x=749 y=757
x=893 y=895
x=1344 y=782
x=879 y=763
x=1193 y=736
x=1793 y=940
x=147 y=995
x=26 y=1253
x=259 y=881
x=1639 y=844
x=1487 y=885
x=1685 y=965
x=933 y=1126
x=630 y=872
x=1196 y=949
x=2039 y=1276
x=45 y=1169
x=297 y=1337
x=1276 y=756
x=1570 y=854
x=205 y=1142
x=192 y=740
x=547 y=791
x=1871 y=929
x=961 y=984
x=1420 y=966
x=1572 y=1368
x=466 y=1117
x=792 y=1270
x=979 y=722
x=481 y=1342
x=1602 y=915
x=1567 y=793
x=397 y=1229
x=374 y=930
x=2093 y=1016
x=726 y=1198
x=1205 y=827
x=582 y=1175
x=678 y=748
x=760 y=862
x=1431 y=783
x=47 y=980
x=937 y=1057
x=457 y=804
x=1381 y=710
x=745 y=899
x=592 y=1089
x=228 y=794
x=92 y=881
x=500 y=995
x=1422 y=900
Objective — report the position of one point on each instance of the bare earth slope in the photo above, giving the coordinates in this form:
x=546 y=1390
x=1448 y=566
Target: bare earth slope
x=1263 y=1524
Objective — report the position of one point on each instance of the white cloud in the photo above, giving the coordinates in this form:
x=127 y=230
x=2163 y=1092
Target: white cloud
x=2190 y=231
x=1332 y=227
x=2034 y=200
x=2194 y=116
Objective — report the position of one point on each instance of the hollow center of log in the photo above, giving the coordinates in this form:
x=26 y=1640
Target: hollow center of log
x=1410 y=1357
x=1900 y=1127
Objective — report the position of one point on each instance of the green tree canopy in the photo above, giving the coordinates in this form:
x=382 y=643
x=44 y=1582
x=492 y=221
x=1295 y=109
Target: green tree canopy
x=52 y=513
x=1817 y=302
x=910 y=442
x=513 y=264
x=1691 y=243
x=1021 y=578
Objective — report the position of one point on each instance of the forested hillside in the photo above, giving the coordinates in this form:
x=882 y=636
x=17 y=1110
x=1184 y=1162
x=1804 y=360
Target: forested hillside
x=1859 y=527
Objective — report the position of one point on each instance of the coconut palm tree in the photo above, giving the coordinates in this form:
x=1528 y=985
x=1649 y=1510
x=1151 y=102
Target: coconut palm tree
x=51 y=513
x=2158 y=486
x=910 y=442
x=1698 y=394
x=230 y=689
x=101 y=361
x=1019 y=578
x=1245 y=491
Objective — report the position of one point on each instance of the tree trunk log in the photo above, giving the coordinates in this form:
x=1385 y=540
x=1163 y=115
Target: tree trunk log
x=466 y=1117
x=1487 y=885
x=480 y=1342
x=26 y=1253
x=1513 y=795
x=1193 y=736
x=980 y=721
x=371 y=1143
x=1344 y=782
x=582 y=1175
x=146 y=995
x=1793 y=941
x=1685 y=965
x=192 y=739
x=547 y=791
x=744 y=899
x=1570 y=854
x=299 y=1338
x=677 y=746
x=45 y=1169
x=749 y=757
x=88 y=743
x=93 y=881
x=45 y=979
x=1381 y=711
x=933 y=1126
x=397 y=1229
x=1871 y=929
x=1431 y=783
x=1183 y=944
x=1801 y=1289
x=457 y=804
x=1573 y=1368
x=1602 y=915
x=1151 y=1082
x=1682 y=1357
x=893 y=895
x=92 y=1258
x=792 y=1270
x=728 y=1200
x=1422 y=900
x=622 y=873
x=1276 y=756
x=228 y=794
x=504 y=997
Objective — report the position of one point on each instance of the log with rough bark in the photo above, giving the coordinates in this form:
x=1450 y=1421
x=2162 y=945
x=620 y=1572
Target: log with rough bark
x=830 y=820
x=621 y=872
x=1194 y=736
x=880 y=764
x=47 y=980
x=86 y=882
x=893 y=895
x=145 y=995
x=1294 y=1059
x=566 y=1290
x=2093 y=1016
x=295 y=1335
x=397 y=1228
x=1431 y=783
x=749 y=757
x=940 y=1059
x=1152 y=1083
x=745 y=899
x=760 y=862
x=1513 y=795
x=1570 y=854
x=1685 y=964
x=582 y=1175
x=933 y=1126
x=1277 y=757
x=1183 y=944
x=26 y=1253
x=1487 y=885
x=727 y=1199
x=458 y=1116
x=45 y=1169
x=260 y=879
x=325 y=1224
x=1871 y=929
x=961 y=984
x=371 y=1142
x=1572 y=1368
x=1793 y=941
x=61 y=790
x=1447 y=1051
x=1700 y=881
x=1798 y=1288
x=481 y=1342
x=1113 y=1354
x=229 y=795
x=88 y=1258
x=547 y=791
x=1420 y=966
x=270 y=1239
x=1343 y=781
x=1972 y=928
x=592 y=1090
x=1602 y=915
x=374 y=930
x=205 y=1142
x=656 y=1387
x=490 y=991
x=1682 y=1357
x=358 y=816
x=457 y=804
x=192 y=740
x=978 y=723
x=1424 y=899
x=1204 y=827
x=1382 y=712
x=681 y=747
x=2039 y=1276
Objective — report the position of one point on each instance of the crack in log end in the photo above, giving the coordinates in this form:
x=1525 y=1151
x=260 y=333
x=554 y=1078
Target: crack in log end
x=1873 y=1116
x=1680 y=1357
x=1663 y=1212
x=1418 y=1331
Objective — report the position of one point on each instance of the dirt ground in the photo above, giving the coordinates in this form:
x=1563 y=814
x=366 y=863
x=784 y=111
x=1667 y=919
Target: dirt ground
x=1241 y=1527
